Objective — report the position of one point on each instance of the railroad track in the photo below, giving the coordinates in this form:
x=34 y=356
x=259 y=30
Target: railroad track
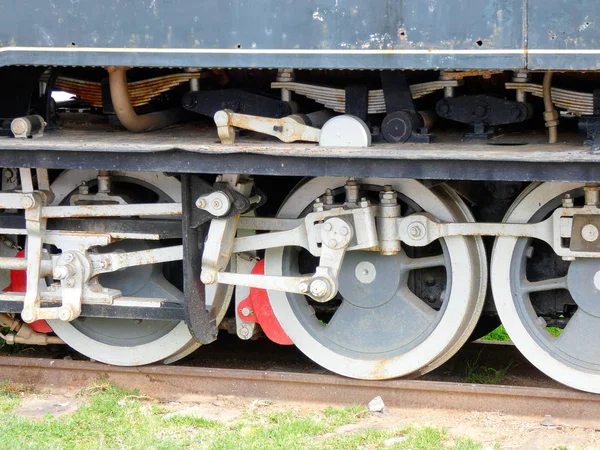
x=566 y=406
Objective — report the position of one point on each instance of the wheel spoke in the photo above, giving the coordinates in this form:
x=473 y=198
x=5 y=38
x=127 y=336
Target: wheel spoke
x=424 y=263
x=396 y=323
x=551 y=284
x=581 y=338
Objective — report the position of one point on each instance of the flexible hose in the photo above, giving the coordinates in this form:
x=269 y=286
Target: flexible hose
x=117 y=79
x=550 y=114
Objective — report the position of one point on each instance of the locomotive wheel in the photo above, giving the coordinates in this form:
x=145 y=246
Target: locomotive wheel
x=518 y=276
x=381 y=329
x=127 y=342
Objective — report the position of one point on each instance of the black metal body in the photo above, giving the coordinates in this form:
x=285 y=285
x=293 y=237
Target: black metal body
x=208 y=103
x=482 y=112
x=258 y=164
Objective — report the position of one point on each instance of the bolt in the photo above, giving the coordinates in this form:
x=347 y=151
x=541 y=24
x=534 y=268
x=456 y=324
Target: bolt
x=244 y=332
x=567 y=201
x=217 y=204
x=416 y=231
x=245 y=311
x=28 y=316
x=318 y=288
x=69 y=257
x=200 y=203
x=318 y=206
x=84 y=188
x=332 y=243
x=328 y=197
x=592 y=194
x=70 y=282
x=344 y=231
x=480 y=110
x=207 y=277
x=66 y=314
x=104 y=263
x=27 y=202
x=303 y=287
x=61 y=272
x=529 y=252
x=364 y=203
x=387 y=197
x=590 y=233
x=327 y=226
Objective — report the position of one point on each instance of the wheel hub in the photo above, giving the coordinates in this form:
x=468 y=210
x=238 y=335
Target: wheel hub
x=369 y=279
x=583 y=280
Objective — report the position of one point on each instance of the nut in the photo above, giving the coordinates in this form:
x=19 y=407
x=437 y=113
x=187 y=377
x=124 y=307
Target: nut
x=61 y=272
x=416 y=231
x=303 y=287
x=318 y=206
x=318 y=288
x=567 y=201
x=200 y=203
x=69 y=257
x=245 y=311
x=364 y=203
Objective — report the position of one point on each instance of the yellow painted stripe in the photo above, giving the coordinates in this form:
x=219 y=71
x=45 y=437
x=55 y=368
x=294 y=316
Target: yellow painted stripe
x=255 y=51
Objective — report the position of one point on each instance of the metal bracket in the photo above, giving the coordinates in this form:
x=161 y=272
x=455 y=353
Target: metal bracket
x=419 y=230
x=322 y=286
x=201 y=316
x=287 y=129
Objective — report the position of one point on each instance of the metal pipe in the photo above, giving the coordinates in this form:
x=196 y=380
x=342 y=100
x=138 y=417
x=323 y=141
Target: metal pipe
x=119 y=93
x=8 y=263
x=550 y=114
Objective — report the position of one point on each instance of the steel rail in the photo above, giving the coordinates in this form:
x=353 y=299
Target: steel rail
x=566 y=406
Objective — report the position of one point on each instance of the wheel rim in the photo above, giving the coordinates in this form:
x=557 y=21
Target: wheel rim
x=123 y=341
x=573 y=357
x=383 y=329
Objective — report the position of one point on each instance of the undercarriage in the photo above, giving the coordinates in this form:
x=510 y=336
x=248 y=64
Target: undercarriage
x=377 y=221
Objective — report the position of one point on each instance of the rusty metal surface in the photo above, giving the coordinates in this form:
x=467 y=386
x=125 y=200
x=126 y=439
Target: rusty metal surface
x=140 y=92
x=335 y=99
x=563 y=34
x=173 y=383
x=203 y=139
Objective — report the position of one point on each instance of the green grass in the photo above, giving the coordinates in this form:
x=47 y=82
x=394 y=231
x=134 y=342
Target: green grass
x=500 y=334
x=113 y=418
x=480 y=374
x=10 y=397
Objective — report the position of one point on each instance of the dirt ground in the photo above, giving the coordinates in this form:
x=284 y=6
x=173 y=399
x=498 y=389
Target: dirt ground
x=492 y=430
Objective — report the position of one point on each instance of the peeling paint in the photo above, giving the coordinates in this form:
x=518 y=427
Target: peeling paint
x=317 y=16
